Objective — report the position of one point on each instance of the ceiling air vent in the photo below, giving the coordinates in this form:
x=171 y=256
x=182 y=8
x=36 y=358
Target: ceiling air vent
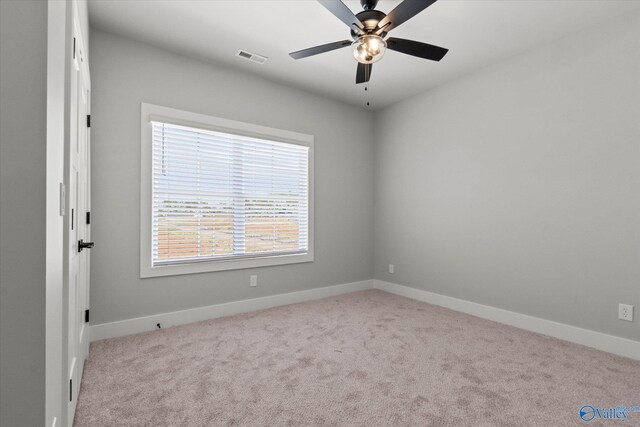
x=259 y=59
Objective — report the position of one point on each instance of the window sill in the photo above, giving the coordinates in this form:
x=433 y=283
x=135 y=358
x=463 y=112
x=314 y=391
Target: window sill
x=211 y=266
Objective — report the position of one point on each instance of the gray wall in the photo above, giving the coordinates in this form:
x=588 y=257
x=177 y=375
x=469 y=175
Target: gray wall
x=23 y=90
x=126 y=73
x=519 y=186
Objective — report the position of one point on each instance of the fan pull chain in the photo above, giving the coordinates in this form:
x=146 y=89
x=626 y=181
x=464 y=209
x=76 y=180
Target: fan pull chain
x=366 y=89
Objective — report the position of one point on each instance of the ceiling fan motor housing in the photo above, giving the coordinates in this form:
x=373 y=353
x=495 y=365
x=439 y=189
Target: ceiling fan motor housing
x=369 y=19
x=368 y=4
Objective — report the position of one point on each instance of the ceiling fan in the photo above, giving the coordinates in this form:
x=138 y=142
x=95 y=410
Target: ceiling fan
x=368 y=31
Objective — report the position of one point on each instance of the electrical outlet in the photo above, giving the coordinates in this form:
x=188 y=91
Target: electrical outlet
x=391 y=269
x=253 y=280
x=625 y=312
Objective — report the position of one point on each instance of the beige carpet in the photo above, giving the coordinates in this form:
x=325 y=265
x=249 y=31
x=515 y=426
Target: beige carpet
x=363 y=359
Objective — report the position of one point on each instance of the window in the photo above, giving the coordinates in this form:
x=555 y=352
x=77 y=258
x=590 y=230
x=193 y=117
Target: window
x=220 y=195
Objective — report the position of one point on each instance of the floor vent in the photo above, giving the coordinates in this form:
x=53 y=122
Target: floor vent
x=258 y=59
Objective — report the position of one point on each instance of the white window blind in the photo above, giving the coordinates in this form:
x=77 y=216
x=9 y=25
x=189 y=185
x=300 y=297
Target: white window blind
x=220 y=196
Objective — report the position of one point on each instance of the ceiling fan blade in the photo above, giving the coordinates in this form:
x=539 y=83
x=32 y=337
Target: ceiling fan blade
x=363 y=73
x=403 y=12
x=342 y=12
x=319 y=49
x=419 y=49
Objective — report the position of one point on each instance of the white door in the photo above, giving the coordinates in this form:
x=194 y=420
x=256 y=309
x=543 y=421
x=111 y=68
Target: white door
x=79 y=191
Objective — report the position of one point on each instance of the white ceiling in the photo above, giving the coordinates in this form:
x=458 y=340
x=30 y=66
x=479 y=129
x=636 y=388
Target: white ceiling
x=477 y=32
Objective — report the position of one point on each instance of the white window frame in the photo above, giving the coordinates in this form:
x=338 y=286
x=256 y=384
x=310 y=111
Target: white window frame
x=149 y=113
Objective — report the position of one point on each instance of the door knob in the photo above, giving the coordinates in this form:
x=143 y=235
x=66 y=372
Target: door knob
x=84 y=245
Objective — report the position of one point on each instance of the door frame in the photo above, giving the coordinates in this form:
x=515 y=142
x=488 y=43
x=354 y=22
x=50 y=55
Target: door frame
x=58 y=52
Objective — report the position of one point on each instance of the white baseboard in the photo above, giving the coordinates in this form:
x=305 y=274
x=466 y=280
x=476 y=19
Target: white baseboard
x=148 y=323
x=609 y=343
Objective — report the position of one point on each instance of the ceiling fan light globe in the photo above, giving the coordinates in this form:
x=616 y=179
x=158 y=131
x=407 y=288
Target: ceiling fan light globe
x=369 y=48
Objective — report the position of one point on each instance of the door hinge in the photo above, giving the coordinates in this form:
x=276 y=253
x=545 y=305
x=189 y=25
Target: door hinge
x=74 y=48
x=71 y=390
x=63 y=199
x=88 y=218
x=88 y=120
x=86 y=316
